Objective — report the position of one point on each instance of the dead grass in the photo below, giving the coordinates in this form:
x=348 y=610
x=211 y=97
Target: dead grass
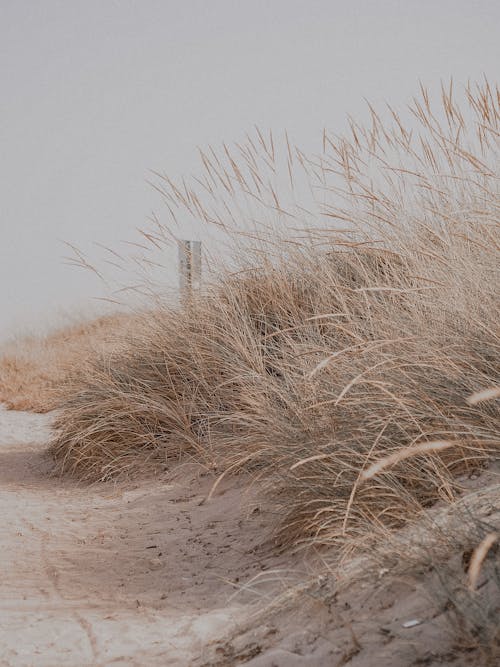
x=321 y=351
x=346 y=353
x=33 y=370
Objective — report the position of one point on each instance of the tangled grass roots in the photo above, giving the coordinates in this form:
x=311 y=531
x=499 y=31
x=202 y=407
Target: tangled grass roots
x=315 y=361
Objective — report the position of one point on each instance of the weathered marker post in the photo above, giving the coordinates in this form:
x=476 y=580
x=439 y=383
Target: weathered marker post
x=189 y=269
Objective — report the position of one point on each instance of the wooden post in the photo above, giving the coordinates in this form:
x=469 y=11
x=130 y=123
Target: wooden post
x=189 y=269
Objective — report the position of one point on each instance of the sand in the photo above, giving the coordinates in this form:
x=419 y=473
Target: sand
x=116 y=574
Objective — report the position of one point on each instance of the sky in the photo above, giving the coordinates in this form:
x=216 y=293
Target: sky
x=96 y=95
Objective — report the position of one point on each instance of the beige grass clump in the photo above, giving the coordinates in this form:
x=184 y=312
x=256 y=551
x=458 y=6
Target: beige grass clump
x=333 y=348
x=33 y=370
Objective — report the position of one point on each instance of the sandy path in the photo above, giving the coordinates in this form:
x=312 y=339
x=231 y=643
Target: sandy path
x=110 y=574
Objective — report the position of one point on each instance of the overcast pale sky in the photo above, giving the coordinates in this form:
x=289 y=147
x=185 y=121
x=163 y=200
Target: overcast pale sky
x=95 y=93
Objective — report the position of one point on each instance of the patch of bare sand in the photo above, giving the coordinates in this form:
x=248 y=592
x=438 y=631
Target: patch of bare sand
x=117 y=574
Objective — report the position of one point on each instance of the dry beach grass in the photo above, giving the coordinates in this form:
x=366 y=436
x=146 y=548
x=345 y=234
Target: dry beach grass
x=33 y=370
x=346 y=352
x=307 y=361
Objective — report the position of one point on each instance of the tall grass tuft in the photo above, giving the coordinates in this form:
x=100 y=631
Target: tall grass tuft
x=354 y=316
